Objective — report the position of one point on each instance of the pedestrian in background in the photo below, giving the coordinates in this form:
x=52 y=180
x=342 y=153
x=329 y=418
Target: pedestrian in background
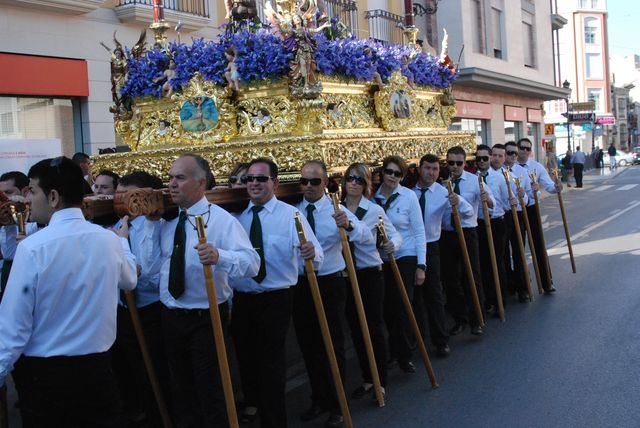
x=578 y=159
x=566 y=167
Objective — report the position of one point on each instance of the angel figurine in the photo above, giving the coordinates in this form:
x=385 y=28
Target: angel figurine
x=166 y=76
x=231 y=73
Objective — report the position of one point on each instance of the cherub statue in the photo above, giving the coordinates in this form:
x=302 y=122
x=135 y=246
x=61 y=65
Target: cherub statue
x=232 y=76
x=444 y=53
x=299 y=37
x=166 y=76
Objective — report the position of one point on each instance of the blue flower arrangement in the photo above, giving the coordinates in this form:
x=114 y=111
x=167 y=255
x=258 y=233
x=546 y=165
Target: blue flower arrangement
x=262 y=55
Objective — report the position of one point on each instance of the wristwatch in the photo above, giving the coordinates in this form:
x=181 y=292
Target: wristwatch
x=350 y=227
x=422 y=267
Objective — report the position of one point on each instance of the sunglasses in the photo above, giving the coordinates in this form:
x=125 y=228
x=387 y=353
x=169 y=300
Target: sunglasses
x=482 y=158
x=457 y=163
x=234 y=179
x=251 y=178
x=355 y=179
x=393 y=172
x=511 y=153
x=528 y=149
x=312 y=181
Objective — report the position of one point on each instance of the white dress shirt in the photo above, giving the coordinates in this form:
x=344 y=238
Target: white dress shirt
x=406 y=216
x=281 y=246
x=60 y=299
x=237 y=258
x=366 y=254
x=542 y=175
x=8 y=235
x=436 y=207
x=494 y=180
x=470 y=192
x=329 y=236
x=525 y=182
x=144 y=242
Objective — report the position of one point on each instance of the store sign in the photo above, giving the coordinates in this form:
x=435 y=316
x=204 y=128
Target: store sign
x=581 y=117
x=534 y=115
x=589 y=105
x=471 y=110
x=605 y=120
x=20 y=155
x=514 y=114
x=549 y=129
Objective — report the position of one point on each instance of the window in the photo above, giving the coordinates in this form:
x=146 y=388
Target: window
x=512 y=131
x=594 y=4
x=593 y=63
x=622 y=108
x=595 y=95
x=528 y=39
x=590 y=35
x=477 y=126
x=591 y=31
x=583 y=4
x=479 y=41
x=497 y=25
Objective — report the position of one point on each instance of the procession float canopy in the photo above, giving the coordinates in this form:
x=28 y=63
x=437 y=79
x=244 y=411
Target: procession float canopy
x=294 y=88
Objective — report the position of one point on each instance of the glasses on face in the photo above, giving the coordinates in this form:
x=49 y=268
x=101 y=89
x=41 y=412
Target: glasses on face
x=312 y=181
x=482 y=158
x=251 y=178
x=355 y=179
x=389 y=171
x=234 y=179
x=525 y=148
x=511 y=153
x=456 y=163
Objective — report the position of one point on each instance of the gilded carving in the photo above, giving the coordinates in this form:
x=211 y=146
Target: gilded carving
x=395 y=103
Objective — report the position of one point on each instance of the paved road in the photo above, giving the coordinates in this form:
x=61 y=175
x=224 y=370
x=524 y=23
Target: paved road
x=567 y=360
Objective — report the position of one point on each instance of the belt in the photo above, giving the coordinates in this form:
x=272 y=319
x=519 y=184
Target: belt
x=371 y=269
x=198 y=312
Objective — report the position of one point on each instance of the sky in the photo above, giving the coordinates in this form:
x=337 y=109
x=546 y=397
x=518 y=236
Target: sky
x=624 y=16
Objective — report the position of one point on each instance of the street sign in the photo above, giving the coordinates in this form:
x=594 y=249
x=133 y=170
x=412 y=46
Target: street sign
x=549 y=129
x=587 y=126
x=586 y=106
x=581 y=117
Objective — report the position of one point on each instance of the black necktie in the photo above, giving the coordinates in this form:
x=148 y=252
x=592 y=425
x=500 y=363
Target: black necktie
x=360 y=213
x=456 y=186
x=423 y=200
x=387 y=204
x=176 y=267
x=524 y=165
x=255 y=235
x=310 y=219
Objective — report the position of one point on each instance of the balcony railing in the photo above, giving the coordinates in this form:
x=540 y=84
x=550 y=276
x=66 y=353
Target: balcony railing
x=345 y=10
x=385 y=26
x=193 y=7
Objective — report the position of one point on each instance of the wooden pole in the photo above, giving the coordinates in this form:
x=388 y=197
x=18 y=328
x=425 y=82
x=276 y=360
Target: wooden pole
x=457 y=223
x=492 y=253
x=566 y=225
x=532 y=247
x=146 y=358
x=516 y=225
x=357 y=298
x=218 y=334
x=544 y=256
x=409 y=308
x=324 y=329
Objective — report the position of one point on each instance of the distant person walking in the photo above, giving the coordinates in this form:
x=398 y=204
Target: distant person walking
x=578 y=159
x=566 y=167
x=612 y=156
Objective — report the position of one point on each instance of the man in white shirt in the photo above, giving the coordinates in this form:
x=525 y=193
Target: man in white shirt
x=325 y=222
x=459 y=298
x=144 y=242
x=106 y=183
x=578 y=159
x=59 y=309
x=186 y=323
x=434 y=199
x=543 y=180
x=262 y=304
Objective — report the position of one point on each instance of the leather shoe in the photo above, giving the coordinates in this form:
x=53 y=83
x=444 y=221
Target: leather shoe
x=476 y=331
x=361 y=391
x=550 y=290
x=457 y=329
x=334 y=421
x=523 y=297
x=443 y=351
x=407 y=366
x=311 y=413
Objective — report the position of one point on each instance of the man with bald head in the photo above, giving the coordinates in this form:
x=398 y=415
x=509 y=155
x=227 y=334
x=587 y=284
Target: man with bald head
x=186 y=323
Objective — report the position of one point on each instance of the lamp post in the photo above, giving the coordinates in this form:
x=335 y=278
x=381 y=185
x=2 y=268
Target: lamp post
x=566 y=85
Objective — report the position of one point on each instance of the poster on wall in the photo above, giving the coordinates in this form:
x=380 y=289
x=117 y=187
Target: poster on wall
x=20 y=155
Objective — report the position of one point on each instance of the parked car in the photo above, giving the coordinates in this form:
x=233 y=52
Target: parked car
x=636 y=155
x=622 y=158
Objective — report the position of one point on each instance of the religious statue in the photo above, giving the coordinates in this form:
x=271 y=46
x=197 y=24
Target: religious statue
x=239 y=11
x=298 y=36
x=231 y=73
x=166 y=76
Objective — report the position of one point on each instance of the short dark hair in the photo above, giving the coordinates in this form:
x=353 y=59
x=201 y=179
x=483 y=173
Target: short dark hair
x=204 y=167
x=524 y=140
x=456 y=150
x=19 y=179
x=80 y=157
x=140 y=179
x=499 y=146
x=60 y=174
x=273 y=167
x=577 y=148
x=398 y=160
x=115 y=177
x=318 y=162
x=510 y=143
x=429 y=158
x=483 y=147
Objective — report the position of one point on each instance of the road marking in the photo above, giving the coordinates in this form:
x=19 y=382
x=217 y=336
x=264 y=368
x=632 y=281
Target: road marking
x=627 y=187
x=599 y=224
x=603 y=188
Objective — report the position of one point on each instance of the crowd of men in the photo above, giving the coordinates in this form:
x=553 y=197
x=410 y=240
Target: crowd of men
x=68 y=342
